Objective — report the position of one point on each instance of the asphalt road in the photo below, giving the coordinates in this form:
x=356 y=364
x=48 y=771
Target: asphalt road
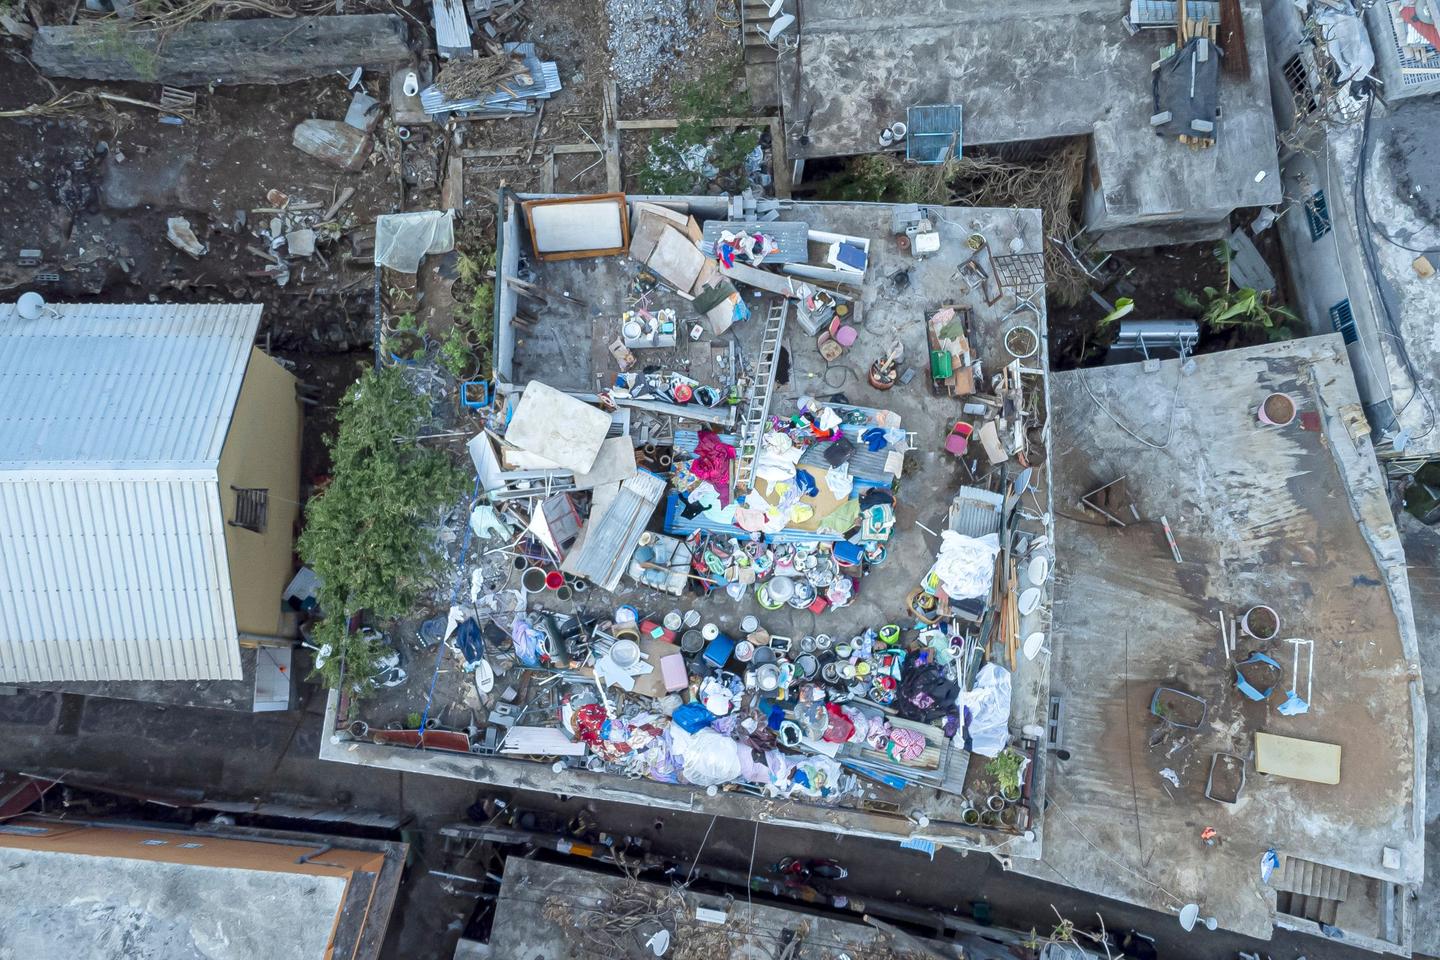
x=273 y=757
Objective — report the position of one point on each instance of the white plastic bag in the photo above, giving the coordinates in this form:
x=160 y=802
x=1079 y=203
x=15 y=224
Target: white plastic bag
x=707 y=757
x=988 y=708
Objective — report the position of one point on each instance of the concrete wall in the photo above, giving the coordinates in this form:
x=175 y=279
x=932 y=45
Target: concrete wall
x=1330 y=269
x=262 y=450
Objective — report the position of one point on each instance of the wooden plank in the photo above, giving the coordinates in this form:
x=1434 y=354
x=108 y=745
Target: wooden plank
x=614 y=183
x=780 y=165
x=265 y=50
x=477 y=153
x=452 y=189
x=672 y=124
x=547 y=175
x=1297 y=759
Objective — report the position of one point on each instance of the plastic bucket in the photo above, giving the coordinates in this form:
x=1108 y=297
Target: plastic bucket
x=533 y=580
x=554 y=580
x=1258 y=619
x=1277 y=410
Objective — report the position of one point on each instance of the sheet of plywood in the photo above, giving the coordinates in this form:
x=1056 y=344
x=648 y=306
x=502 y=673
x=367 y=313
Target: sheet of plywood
x=615 y=464
x=1297 y=759
x=676 y=259
x=556 y=426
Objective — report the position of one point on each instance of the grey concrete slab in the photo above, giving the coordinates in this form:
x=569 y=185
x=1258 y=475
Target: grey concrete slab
x=1031 y=71
x=98 y=908
x=1293 y=517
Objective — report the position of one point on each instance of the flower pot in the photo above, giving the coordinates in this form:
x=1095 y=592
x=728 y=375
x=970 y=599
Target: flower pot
x=475 y=394
x=1261 y=622
x=970 y=816
x=1277 y=410
x=1010 y=794
x=1009 y=816
x=359 y=729
x=995 y=802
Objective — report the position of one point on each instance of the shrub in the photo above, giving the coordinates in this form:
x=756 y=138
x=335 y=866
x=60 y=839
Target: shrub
x=369 y=535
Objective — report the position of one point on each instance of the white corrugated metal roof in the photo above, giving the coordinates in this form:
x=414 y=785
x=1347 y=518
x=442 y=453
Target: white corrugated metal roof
x=111 y=386
x=112 y=542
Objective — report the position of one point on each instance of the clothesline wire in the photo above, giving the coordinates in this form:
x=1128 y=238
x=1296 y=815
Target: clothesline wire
x=696 y=862
x=1170 y=425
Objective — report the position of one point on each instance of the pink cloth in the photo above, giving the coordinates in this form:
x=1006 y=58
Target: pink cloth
x=712 y=463
x=906 y=745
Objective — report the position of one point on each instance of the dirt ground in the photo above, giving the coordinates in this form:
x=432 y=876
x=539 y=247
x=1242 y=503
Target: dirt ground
x=1151 y=277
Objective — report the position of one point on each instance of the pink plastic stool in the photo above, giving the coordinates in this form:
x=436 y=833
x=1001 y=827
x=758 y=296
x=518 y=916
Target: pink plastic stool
x=959 y=440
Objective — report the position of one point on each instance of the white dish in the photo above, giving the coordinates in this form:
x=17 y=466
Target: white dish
x=1039 y=570
x=1034 y=645
x=1029 y=601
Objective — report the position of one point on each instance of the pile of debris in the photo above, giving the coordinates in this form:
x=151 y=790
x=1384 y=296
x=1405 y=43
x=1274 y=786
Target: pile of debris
x=509 y=83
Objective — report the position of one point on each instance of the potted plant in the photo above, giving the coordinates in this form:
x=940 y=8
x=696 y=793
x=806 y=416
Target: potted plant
x=405 y=346
x=1005 y=768
x=401 y=323
x=475 y=394
x=456 y=355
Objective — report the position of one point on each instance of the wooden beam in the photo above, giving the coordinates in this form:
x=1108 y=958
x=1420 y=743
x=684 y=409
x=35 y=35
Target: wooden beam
x=563 y=148
x=672 y=124
x=547 y=175
x=614 y=182
x=263 y=50
x=779 y=165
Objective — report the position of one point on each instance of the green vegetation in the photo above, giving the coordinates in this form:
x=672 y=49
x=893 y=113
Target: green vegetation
x=467 y=348
x=675 y=163
x=1243 y=308
x=113 y=38
x=875 y=178
x=1005 y=768
x=369 y=535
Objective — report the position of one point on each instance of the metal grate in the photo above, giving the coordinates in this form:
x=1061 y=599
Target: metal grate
x=251 y=508
x=935 y=133
x=1302 y=89
x=1166 y=13
x=1342 y=321
x=1018 y=270
x=1413 y=70
x=1317 y=214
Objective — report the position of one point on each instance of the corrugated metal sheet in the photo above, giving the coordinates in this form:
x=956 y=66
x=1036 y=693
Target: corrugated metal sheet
x=791 y=236
x=118 y=579
x=102 y=386
x=975 y=512
x=610 y=540
x=113 y=563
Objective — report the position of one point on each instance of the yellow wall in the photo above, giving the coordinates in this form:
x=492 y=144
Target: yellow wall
x=262 y=449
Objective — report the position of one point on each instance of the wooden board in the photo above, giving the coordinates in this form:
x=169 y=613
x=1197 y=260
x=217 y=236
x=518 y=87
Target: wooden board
x=1297 y=759
x=264 y=50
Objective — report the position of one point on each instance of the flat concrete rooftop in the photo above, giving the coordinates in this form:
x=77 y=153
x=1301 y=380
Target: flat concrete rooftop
x=567 y=348
x=1028 y=71
x=1294 y=517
